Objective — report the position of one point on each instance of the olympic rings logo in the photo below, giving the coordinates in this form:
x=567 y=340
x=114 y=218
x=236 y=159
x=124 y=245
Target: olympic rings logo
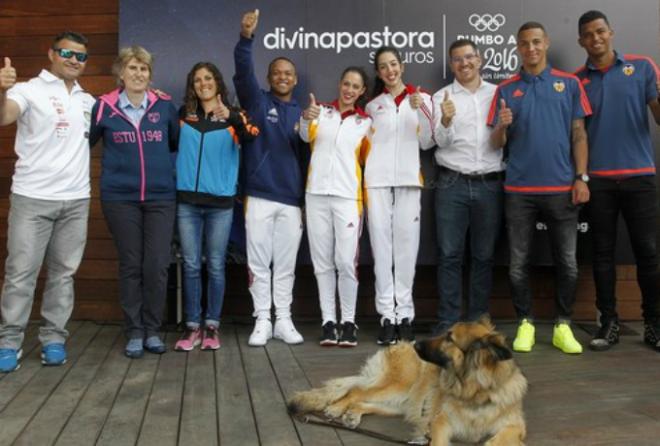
x=487 y=22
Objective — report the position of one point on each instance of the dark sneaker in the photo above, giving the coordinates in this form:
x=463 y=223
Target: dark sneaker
x=329 y=336
x=652 y=334
x=387 y=334
x=607 y=336
x=405 y=330
x=348 y=335
x=153 y=344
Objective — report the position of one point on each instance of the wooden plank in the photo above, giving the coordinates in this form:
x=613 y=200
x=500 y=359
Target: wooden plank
x=273 y=424
x=38 y=45
x=47 y=423
x=199 y=411
x=18 y=413
x=125 y=418
x=12 y=383
x=235 y=417
x=86 y=422
x=59 y=8
x=161 y=419
x=52 y=25
x=291 y=378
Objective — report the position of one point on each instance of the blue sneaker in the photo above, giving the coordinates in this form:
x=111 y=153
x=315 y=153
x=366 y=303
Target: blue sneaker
x=9 y=359
x=53 y=354
x=134 y=348
x=153 y=344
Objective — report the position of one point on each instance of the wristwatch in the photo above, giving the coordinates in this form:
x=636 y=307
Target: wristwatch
x=582 y=177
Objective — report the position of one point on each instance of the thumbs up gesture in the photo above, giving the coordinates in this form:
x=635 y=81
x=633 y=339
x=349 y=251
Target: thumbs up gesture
x=313 y=111
x=249 y=23
x=505 y=116
x=448 y=110
x=416 y=100
x=7 y=75
x=220 y=111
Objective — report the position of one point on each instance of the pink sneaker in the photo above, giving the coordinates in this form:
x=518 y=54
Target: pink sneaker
x=210 y=338
x=191 y=338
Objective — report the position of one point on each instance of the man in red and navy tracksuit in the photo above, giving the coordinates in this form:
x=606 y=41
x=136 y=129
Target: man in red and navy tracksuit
x=620 y=87
x=538 y=116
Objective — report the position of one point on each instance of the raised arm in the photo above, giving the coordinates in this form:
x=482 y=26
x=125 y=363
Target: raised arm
x=9 y=109
x=245 y=79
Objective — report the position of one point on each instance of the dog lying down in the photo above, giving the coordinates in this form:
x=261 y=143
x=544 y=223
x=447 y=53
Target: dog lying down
x=463 y=385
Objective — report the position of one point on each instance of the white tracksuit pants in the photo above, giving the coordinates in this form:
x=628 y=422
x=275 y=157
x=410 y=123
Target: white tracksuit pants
x=273 y=232
x=394 y=224
x=334 y=225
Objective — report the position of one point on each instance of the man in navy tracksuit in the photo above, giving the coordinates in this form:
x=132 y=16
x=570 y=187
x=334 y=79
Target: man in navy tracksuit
x=273 y=185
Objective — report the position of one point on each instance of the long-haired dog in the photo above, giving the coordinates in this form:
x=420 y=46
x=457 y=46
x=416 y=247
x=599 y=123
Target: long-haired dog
x=463 y=385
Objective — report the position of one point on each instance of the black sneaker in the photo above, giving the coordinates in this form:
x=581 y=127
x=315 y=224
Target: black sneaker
x=652 y=334
x=607 y=336
x=329 y=336
x=387 y=334
x=405 y=330
x=348 y=335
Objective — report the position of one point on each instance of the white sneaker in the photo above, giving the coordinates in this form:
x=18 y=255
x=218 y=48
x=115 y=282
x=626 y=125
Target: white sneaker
x=285 y=331
x=263 y=331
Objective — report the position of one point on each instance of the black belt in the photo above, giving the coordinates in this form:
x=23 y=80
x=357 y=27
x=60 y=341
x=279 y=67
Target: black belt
x=491 y=176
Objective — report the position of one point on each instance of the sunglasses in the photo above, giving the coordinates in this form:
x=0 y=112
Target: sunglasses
x=67 y=53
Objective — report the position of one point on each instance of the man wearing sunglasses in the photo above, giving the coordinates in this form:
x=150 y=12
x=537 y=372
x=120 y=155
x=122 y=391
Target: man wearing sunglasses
x=49 y=199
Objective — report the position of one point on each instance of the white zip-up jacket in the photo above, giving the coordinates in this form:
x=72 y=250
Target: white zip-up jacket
x=338 y=143
x=395 y=137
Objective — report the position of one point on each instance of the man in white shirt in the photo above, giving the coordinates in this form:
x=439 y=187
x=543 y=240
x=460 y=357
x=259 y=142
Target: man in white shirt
x=49 y=200
x=469 y=186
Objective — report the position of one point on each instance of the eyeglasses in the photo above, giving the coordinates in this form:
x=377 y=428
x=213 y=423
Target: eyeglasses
x=66 y=53
x=467 y=58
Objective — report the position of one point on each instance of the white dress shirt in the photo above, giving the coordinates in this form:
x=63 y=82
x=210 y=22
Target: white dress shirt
x=465 y=146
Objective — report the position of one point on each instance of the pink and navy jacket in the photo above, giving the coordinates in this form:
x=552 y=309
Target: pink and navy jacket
x=619 y=136
x=539 y=139
x=138 y=163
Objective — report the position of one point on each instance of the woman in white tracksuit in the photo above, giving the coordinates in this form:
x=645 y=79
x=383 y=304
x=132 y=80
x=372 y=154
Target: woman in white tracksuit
x=402 y=122
x=333 y=201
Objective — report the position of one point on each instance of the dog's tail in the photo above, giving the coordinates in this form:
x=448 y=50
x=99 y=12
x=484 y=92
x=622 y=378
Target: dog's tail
x=316 y=400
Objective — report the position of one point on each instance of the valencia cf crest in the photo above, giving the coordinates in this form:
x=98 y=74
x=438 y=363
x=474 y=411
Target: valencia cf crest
x=153 y=117
x=628 y=69
x=559 y=86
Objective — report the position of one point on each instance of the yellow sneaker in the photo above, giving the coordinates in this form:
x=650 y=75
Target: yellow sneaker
x=563 y=339
x=524 y=337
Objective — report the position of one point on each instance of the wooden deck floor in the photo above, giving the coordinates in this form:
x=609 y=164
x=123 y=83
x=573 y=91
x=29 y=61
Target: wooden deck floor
x=235 y=396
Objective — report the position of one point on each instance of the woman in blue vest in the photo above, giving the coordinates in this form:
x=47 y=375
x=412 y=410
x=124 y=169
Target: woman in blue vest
x=207 y=175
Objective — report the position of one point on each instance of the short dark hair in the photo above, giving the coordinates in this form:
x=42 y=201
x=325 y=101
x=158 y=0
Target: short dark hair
x=277 y=59
x=461 y=43
x=530 y=25
x=590 y=16
x=72 y=36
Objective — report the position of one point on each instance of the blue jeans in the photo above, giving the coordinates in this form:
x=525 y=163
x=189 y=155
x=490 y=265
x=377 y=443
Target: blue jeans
x=561 y=217
x=461 y=203
x=636 y=200
x=203 y=229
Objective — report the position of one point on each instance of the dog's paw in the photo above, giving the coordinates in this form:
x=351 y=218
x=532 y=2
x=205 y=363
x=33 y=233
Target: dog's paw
x=419 y=441
x=333 y=412
x=351 y=419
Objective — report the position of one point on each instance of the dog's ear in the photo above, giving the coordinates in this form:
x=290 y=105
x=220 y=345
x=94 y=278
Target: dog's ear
x=429 y=351
x=486 y=322
x=497 y=346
